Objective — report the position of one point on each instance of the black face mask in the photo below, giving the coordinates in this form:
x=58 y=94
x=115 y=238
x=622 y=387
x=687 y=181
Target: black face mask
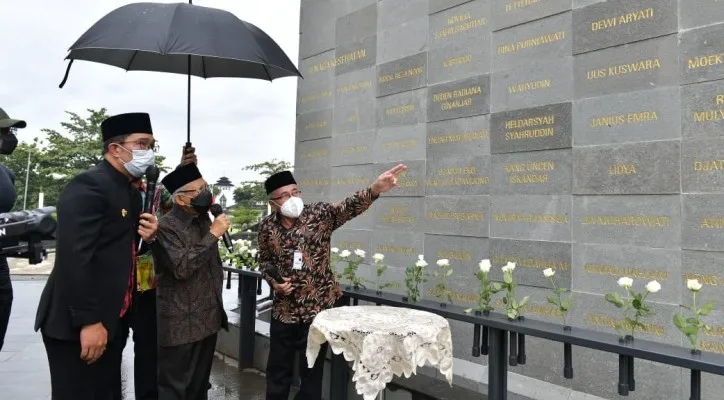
x=8 y=143
x=202 y=202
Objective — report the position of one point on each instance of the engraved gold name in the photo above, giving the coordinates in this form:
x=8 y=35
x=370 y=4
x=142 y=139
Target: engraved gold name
x=408 y=73
x=531 y=218
x=530 y=86
x=519 y=128
x=622 y=169
x=315 y=96
x=456 y=98
x=315 y=153
x=315 y=125
x=633 y=272
x=623 y=119
x=339 y=61
x=623 y=69
x=451 y=62
x=514 y=169
x=532 y=42
x=647 y=221
x=460 y=137
x=608 y=322
x=455 y=216
x=629 y=17
x=353 y=87
x=518 y=4
x=404 y=109
x=705 y=61
x=532 y=263
x=458 y=24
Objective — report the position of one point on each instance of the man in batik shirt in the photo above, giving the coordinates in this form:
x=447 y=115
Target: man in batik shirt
x=294 y=247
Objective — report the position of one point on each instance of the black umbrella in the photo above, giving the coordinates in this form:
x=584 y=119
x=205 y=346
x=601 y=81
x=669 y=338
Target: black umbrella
x=183 y=39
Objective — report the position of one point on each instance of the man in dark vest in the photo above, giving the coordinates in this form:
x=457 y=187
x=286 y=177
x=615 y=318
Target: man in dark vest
x=84 y=308
x=8 y=142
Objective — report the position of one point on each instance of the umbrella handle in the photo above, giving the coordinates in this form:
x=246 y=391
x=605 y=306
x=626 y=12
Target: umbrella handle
x=187 y=148
x=67 y=71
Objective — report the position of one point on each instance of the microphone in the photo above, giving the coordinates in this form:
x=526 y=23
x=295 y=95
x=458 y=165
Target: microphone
x=152 y=174
x=273 y=271
x=216 y=211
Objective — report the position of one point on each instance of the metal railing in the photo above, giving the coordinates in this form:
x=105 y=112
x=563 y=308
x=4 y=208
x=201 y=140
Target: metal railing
x=501 y=339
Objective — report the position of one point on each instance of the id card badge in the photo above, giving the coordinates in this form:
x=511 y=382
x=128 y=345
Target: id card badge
x=297 y=261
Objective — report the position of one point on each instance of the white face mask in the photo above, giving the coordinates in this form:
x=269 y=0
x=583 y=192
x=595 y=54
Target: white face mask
x=142 y=159
x=293 y=207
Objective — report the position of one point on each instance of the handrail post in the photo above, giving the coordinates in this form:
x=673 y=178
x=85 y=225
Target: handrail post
x=497 y=364
x=247 y=325
x=339 y=376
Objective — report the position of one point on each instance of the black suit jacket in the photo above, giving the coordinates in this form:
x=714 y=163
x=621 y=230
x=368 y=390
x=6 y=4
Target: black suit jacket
x=98 y=213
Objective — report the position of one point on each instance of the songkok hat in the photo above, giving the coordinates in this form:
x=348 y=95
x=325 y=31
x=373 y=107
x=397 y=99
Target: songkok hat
x=280 y=179
x=181 y=176
x=7 y=122
x=126 y=124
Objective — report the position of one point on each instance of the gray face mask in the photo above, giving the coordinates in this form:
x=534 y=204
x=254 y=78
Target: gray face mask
x=142 y=159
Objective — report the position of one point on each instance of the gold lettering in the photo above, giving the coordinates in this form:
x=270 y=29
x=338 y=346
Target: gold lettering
x=315 y=125
x=708 y=165
x=398 y=215
x=633 y=272
x=456 y=98
x=532 y=218
x=529 y=86
x=400 y=109
x=407 y=73
x=621 y=119
x=720 y=99
x=359 y=148
x=704 y=279
x=705 y=61
x=714 y=347
x=454 y=255
x=315 y=153
x=712 y=223
x=401 y=144
x=624 y=19
x=458 y=24
x=622 y=169
x=451 y=62
x=460 y=137
x=609 y=322
x=646 y=221
x=455 y=216
x=314 y=182
x=530 y=43
x=353 y=180
x=517 y=4
x=348 y=58
x=529 y=167
x=709 y=116
x=315 y=96
x=516 y=131
x=623 y=69
x=350 y=245
x=387 y=248
x=353 y=87
x=532 y=263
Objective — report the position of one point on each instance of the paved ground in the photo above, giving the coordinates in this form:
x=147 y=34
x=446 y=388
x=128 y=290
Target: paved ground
x=22 y=267
x=24 y=367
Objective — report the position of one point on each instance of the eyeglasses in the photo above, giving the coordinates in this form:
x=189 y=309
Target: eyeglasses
x=143 y=145
x=287 y=196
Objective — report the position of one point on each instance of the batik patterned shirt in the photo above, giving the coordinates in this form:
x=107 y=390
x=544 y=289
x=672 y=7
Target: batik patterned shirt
x=314 y=286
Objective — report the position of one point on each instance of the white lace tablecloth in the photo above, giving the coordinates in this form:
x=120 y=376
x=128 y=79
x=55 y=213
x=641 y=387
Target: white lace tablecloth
x=382 y=342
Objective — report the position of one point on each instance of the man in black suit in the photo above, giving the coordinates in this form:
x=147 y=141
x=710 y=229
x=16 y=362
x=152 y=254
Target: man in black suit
x=83 y=311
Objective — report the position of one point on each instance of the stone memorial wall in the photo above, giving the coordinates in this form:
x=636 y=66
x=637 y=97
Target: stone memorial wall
x=585 y=136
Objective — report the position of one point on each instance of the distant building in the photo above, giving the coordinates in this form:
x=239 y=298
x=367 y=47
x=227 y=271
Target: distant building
x=226 y=192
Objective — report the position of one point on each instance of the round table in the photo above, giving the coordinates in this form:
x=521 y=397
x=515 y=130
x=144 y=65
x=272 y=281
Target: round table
x=382 y=342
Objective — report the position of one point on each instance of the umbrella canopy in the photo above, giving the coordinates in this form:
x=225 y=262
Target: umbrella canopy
x=184 y=39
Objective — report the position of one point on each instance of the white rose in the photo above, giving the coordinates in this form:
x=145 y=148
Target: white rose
x=236 y=241
x=253 y=252
x=378 y=257
x=421 y=263
x=243 y=249
x=443 y=262
x=421 y=257
x=509 y=267
x=653 y=287
x=335 y=250
x=360 y=253
x=345 y=253
x=693 y=285
x=485 y=266
x=548 y=272
x=625 y=282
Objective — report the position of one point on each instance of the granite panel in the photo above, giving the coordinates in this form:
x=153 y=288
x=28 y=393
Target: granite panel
x=703 y=222
x=464 y=24
x=597 y=268
x=357 y=55
x=352 y=149
x=531 y=258
x=347 y=180
x=402 y=75
x=410 y=183
x=350 y=239
x=356 y=25
x=650 y=221
x=702 y=110
x=402 y=40
x=540 y=128
x=316 y=22
x=459 y=59
x=707 y=267
x=462 y=175
x=536 y=84
x=531 y=217
x=313 y=154
x=459 y=136
x=545 y=39
x=354 y=109
x=514 y=12
x=463 y=98
x=643 y=116
x=457 y=215
x=317 y=70
x=406 y=108
x=314 y=125
x=440 y=5
x=401 y=214
x=537 y=172
x=701 y=54
x=464 y=254
x=317 y=97
x=702 y=166
x=637 y=66
x=393 y=13
x=400 y=248
x=400 y=143
x=632 y=168
x=584 y=3
x=314 y=182
x=706 y=12
x=616 y=22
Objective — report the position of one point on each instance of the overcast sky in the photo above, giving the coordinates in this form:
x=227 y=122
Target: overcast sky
x=234 y=122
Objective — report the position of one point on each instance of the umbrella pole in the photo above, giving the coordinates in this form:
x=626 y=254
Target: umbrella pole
x=188 y=101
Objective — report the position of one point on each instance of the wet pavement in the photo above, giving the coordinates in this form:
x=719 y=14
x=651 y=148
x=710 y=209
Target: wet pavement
x=24 y=366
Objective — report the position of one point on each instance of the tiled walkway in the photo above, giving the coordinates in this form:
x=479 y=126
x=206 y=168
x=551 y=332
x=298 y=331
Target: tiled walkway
x=24 y=368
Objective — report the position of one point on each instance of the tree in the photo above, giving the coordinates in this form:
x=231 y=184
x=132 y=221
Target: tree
x=252 y=193
x=243 y=216
x=18 y=164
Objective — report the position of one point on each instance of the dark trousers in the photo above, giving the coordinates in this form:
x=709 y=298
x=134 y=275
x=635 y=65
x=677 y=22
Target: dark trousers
x=145 y=348
x=6 y=303
x=184 y=370
x=286 y=341
x=73 y=379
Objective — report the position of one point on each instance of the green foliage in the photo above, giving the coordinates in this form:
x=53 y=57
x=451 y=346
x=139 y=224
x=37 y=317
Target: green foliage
x=488 y=289
x=513 y=307
x=253 y=192
x=55 y=161
x=692 y=325
x=244 y=255
x=241 y=217
x=379 y=273
x=632 y=303
x=562 y=302
x=352 y=262
x=414 y=276
x=441 y=289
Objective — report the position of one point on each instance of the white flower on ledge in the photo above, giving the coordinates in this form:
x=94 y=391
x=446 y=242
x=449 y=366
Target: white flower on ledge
x=345 y=253
x=693 y=285
x=625 y=282
x=509 y=267
x=335 y=250
x=360 y=253
x=421 y=262
x=548 y=272
x=485 y=266
x=253 y=252
x=653 y=287
x=378 y=257
x=444 y=262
